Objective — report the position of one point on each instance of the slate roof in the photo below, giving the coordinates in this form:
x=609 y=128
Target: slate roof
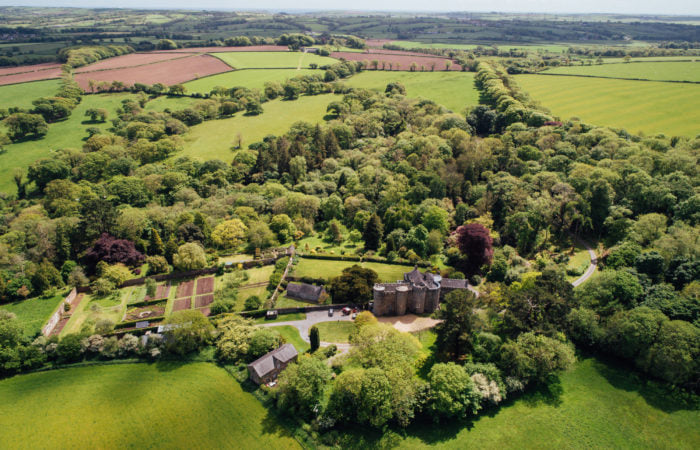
x=304 y=291
x=266 y=364
x=418 y=279
x=453 y=283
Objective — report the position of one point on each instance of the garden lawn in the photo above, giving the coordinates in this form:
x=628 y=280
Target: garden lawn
x=260 y=274
x=321 y=268
x=214 y=139
x=164 y=405
x=328 y=247
x=285 y=302
x=251 y=79
x=273 y=60
x=245 y=293
x=335 y=331
x=21 y=95
x=291 y=336
x=283 y=318
x=453 y=90
x=65 y=134
x=32 y=314
x=658 y=71
x=598 y=406
x=638 y=106
x=92 y=309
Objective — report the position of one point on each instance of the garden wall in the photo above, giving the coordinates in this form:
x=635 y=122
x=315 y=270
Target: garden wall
x=56 y=317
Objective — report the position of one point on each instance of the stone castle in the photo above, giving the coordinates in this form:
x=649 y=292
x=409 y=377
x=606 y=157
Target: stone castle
x=418 y=293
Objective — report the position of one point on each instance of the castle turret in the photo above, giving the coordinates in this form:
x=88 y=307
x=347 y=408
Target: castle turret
x=379 y=305
x=417 y=303
x=402 y=293
x=432 y=299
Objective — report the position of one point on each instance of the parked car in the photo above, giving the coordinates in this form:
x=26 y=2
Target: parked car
x=354 y=316
x=330 y=312
x=346 y=311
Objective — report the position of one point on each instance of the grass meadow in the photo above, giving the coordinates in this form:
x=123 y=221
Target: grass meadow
x=327 y=269
x=655 y=71
x=453 y=90
x=215 y=138
x=335 y=330
x=21 y=95
x=638 y=106
x=551 y=48
x=595 y=405
x=291 y=336
x=272 y=60
x=33 y=313
x=251 y=79
x=167 y=404
x=65 y=134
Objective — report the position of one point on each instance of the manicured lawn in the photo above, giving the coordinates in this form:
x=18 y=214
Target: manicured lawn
x=33 y=313
x=453 y=90
x=21 y=95
x=251 y=79
x=94 y=309
x=638 y=106
x=335 y=330
x=245 y=293
x=235 y=258
x=291 y=336
x=285 y=302
x=319 y=268
x=165 y=405
x=595 y=406
x=579 y=260
x=283 y=318
x=214 y=139
x=327 y=247
x=65 y=134
x=272 y=60
x=659 y=71
x=260 y=274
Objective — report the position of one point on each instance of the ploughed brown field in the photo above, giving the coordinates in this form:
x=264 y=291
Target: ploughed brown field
x=36 y=72
x=252 y=48
x=172 y=71
x=183 y=303
x=185 y=289
x=203 y=300
x=205 y=285
x=398 y=52
x=130 y=60
x=403 y=60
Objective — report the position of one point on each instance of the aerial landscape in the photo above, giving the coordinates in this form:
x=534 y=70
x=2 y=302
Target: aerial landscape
x=363 y=226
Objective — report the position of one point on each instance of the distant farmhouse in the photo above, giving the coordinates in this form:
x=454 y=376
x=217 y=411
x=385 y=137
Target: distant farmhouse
x=305 y=292
x=266 y=368
x=418 y=293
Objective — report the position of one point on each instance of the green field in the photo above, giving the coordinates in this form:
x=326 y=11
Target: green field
x=164 y=405
x=65 y=134
x=272 y=60
x=259 y=274
x=552 y=48
x=454 y=90
x=658 y=71
x=316 y=268
x=285 y=302
x=33 y=313
x=215 y=138
x=21 y=95
x=291 y=336
x=651 y=59
x=595 y=406
x=638 y=106
x=335 y=331
x=172 y=103
x=251 y=79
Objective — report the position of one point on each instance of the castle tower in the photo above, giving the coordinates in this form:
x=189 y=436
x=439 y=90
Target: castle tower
x=402 y=293
x=378 y=308
x=432 y=299
x=417 y=304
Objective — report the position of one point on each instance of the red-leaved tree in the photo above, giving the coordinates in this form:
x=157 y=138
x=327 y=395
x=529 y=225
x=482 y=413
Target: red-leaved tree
x=112 y=250
x=475 y=242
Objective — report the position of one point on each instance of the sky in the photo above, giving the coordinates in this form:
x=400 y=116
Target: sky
x=665 y=7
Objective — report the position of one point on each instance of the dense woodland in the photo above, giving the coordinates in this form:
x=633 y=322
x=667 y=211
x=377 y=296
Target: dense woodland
x=491 y=195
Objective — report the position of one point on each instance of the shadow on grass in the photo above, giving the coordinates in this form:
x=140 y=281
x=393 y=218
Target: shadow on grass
x=656 y=393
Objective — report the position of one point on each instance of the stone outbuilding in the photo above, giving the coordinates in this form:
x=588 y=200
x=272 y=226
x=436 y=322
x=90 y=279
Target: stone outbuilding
x=418 y=293
x=268 y=367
